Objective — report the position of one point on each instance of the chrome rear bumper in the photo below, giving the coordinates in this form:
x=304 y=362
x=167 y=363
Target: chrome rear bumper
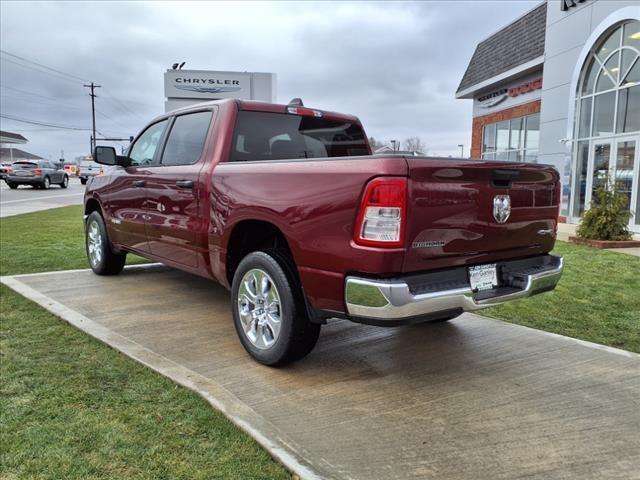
x=396 y=299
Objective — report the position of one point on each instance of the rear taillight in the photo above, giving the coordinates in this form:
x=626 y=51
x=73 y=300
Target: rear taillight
x=37 y=171
x=382 y=213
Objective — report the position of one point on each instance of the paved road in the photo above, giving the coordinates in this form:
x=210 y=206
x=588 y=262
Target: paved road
x=28 y=199
x=473 y=398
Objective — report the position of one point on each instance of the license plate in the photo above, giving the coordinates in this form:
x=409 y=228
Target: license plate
x=483 y=277
x=22 y=174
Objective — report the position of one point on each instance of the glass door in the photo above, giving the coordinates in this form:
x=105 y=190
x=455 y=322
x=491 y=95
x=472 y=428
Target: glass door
x=600 y=168
x=616 y=161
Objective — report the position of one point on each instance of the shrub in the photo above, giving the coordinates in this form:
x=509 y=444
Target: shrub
x=608 y=217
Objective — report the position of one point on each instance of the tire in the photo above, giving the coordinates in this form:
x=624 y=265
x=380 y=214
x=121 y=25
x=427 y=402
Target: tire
x=296 y=335
x=65 y=182
x=46 y=183
x=102 y=260
x=83 y=181
x=12 y=185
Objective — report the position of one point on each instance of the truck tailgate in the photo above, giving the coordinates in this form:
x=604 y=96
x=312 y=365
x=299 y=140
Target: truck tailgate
x=451 y=212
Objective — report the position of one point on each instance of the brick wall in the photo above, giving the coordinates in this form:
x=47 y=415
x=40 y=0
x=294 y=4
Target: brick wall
x=513 y=112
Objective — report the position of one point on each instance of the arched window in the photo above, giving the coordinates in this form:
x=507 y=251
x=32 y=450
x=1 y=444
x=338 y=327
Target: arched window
x=609 y=95
x=607 y=115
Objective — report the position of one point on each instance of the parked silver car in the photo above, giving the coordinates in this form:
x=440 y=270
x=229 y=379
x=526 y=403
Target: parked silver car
x=40 y=173
x=5 y=168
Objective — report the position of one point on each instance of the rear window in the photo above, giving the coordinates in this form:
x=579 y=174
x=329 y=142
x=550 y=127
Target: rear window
x=281 y=136
x=25 y=164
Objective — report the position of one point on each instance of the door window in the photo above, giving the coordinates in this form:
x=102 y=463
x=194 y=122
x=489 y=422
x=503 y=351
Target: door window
x=625 y=159
x=186 y=140
x=144 y=150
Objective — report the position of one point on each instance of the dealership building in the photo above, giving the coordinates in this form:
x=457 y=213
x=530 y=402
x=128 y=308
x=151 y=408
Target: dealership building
x=561 y=85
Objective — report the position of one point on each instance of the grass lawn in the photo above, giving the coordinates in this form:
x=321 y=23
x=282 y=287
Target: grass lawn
x=72 y=408
x=597 y=299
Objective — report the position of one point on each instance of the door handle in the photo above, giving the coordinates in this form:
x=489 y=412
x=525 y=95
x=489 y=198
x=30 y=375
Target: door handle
x=139 y=183
x=184 y=184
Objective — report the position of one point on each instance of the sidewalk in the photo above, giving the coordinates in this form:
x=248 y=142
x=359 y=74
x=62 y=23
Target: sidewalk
x=472 y=398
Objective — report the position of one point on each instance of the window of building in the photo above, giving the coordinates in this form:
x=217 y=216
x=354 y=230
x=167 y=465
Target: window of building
x=609 y=95
x=512 y=140
x=607 y=126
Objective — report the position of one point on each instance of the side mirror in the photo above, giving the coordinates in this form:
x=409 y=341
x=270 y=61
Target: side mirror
x=107 y=156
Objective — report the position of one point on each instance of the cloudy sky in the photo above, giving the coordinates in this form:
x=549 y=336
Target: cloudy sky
x=395 y=65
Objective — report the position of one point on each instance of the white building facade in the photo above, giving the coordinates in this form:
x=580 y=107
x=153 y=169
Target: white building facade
x=583 y=115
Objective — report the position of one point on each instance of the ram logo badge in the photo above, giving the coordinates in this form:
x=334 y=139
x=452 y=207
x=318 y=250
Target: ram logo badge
x=501 y=208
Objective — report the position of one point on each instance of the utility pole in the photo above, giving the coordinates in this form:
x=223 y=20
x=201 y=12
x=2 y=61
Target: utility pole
x=93 y=86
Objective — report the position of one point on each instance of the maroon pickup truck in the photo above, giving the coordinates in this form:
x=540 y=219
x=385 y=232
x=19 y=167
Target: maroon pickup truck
x=287 y=207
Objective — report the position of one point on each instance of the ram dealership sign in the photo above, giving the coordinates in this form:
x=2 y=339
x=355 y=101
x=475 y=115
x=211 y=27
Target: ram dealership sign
x=523 y=90
x=186 y=87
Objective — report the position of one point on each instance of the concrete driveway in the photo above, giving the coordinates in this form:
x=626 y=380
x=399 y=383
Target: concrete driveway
x=470 y=399
x=26 y=199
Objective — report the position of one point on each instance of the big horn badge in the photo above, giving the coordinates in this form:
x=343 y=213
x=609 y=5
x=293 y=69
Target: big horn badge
x=501 y=208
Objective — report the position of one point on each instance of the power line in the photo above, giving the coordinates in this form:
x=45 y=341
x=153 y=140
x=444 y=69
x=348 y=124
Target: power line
x=45 y=104
x=35 y=69
x=55 y=103
x=60 y=72
x=44 y=124
x=25 y=92
x=122 y=105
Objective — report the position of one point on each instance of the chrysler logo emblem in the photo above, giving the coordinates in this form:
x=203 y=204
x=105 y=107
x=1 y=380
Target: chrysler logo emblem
x=501 y=208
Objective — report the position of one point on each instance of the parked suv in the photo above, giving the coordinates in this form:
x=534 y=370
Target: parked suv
x=88 y=169
x=39 y=173
x=287 y=207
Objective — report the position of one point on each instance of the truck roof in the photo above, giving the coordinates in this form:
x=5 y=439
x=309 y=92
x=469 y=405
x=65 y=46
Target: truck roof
x=256 y=106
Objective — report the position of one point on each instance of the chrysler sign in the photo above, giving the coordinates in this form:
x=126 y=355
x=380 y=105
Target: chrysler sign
x=206 y=85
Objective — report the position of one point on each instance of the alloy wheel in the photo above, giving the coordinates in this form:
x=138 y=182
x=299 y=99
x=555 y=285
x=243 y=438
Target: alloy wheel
x=259 y=308
x=94 y=244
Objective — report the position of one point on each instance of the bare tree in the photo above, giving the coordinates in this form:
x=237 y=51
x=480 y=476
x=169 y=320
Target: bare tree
x=375 y=144
x=414 y=144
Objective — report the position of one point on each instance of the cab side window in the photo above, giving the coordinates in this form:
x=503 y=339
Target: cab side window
x=186 y=139
x=143 y=152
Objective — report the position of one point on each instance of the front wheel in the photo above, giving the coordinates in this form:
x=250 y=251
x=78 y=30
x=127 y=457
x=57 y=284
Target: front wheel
x=102 y=259
x=12 y=185
x=268 y=309
x=65 y=182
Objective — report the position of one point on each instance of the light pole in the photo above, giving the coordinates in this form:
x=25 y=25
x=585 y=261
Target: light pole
x=393 y=143
x=461 y=151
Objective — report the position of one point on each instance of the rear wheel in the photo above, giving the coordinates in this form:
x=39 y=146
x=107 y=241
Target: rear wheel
x=46 y=183
x=65 y=182
x=102 y=259
x=12 y=185
x=268 y=309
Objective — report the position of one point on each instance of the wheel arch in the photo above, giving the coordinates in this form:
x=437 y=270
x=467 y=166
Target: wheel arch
x=250 y=235
x=92 y=205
